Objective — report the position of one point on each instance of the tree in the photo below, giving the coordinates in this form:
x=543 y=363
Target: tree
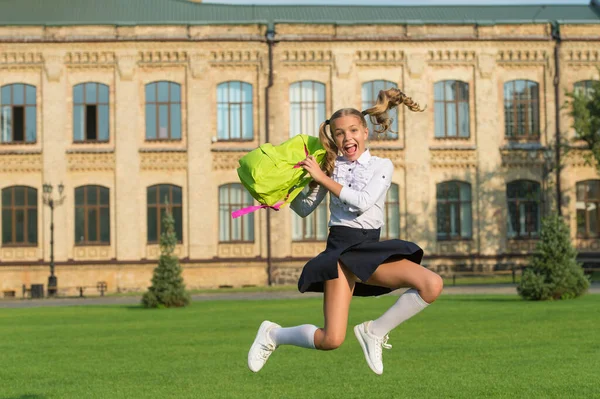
x=584 y=108
x=554 y=272
x=168 y=289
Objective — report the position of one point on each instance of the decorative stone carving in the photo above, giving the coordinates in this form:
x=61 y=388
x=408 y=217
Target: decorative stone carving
x=232 y=56
x=455 y=247
x=587 y=245
x=451 y=56
x=53 y=65
x=371 y=57
x=306 y=57
x=307 y=249
x=162 y=57
x=226 y=160
x=416 y=64
x=522 y=56
x=236 y=250
x=153 y=251
x=198 y=65
x=127 y=64
x=511 y=158
x=90 y=161
x=397 y=156
x=21 y=60
x=163 y=160
x=344 y=65
x=19 y=254
x=486 y=63
x=582 y=56
x=453 y=158
x=521 y=246
x=90 y=59
x=20 y=163
x=92 y=252
x=580 y=158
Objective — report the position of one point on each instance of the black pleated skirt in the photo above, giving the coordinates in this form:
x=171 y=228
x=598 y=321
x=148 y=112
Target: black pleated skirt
x=361 y=252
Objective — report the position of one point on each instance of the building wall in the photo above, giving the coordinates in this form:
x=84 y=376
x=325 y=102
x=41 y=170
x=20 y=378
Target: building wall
x=415 y=59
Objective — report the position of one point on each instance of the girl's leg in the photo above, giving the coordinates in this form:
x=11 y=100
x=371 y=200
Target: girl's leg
x=425 y=285
x=336 y=304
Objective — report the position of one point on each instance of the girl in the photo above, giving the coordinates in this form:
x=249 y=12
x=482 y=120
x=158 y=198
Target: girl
x=354 y=262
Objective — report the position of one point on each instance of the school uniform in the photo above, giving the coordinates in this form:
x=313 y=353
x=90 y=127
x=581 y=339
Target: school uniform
x=355 y=225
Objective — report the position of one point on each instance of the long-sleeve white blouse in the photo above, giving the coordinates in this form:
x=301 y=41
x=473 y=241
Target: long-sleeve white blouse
x=361 y=203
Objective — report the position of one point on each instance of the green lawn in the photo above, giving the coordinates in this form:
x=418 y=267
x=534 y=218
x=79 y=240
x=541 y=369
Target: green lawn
x=461 y=347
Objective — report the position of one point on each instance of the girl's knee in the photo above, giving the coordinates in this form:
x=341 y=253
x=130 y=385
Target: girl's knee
x=332 y=341
x=432 y=287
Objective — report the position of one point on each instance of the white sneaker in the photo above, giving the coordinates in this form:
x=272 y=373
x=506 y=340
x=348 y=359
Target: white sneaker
x=262 y=347
x=371 y=346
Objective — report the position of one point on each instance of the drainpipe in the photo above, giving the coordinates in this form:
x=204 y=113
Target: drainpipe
x=556 y=37
x=269 y=36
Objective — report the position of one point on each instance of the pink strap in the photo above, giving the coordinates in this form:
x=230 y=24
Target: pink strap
x=306 y=153
x=254 y=208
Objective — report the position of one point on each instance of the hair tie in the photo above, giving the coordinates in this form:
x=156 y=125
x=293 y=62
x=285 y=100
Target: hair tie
x=364 y=112
x=327 y=122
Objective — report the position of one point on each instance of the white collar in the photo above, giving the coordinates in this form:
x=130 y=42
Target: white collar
x=364 y=158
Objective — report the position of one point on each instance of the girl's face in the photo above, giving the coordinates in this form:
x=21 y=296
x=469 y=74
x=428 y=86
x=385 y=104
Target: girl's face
x=350 y=136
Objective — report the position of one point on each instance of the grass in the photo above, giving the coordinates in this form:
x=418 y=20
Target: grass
x=461 y=347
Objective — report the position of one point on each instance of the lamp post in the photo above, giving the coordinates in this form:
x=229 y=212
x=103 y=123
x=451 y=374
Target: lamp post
x=51 y=202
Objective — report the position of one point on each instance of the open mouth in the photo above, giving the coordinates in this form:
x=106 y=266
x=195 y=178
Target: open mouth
x=350 y=149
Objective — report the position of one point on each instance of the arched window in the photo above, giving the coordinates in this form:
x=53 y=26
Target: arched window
x=163 y=111
x=521 y=109
x=454 y=220
x=391 y=229
x=451 y=99
x=307 y=107
x=18 y=118
x=523 y=198
x=90 y=112
x=312 y=227
x=19 y=216
x=92 y=215
x=583 y=92
x=231 y=198
x=588 y=209
x=160 y=197
x=234 y=111
x=370 y=90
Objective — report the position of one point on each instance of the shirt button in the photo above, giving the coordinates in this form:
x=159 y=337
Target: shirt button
x=349 y=185
x=345 y=203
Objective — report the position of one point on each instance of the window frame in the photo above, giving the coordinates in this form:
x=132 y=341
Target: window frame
x=97 y=104
x=229 y=112
x=585 y=201
x=158 y=206
x=156 y=106
x=315 y=85
x=464 y=86
x=230 y=207
x=25 y=208
x=458 y=203
x=98 y=206
x=511 y=106
x=387 y=206
x=517 y=201
x=11 y=105
x=324 y=206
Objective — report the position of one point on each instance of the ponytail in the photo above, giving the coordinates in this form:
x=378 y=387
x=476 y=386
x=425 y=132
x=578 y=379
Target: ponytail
x=386 y=100
x=331 y=152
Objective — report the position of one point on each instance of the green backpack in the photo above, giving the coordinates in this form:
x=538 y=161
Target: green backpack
x=271 y=174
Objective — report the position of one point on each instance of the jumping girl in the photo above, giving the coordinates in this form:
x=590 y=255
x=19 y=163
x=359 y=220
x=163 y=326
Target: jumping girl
x=354 y=262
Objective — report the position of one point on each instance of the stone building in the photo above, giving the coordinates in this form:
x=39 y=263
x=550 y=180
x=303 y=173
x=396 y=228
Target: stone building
x=125 y=103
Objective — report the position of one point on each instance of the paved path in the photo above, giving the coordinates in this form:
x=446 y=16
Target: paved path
x=507 y=289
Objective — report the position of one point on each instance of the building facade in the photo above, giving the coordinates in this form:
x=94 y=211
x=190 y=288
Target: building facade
x=127 y=115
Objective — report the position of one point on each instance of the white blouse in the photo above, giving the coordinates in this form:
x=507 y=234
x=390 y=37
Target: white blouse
x=361 y=203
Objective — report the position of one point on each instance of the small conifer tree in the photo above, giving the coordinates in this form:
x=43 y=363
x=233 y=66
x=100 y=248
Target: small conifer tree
x=168 y=289
x=554 y=272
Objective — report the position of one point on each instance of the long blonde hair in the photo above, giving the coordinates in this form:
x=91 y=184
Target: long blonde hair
x=386 y=100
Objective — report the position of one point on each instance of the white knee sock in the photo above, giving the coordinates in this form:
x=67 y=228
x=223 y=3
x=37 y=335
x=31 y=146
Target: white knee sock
x=409 y=304
x=302 y=336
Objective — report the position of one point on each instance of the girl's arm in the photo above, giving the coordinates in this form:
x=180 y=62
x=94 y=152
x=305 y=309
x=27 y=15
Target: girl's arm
x=304 y=204
x=359 y=201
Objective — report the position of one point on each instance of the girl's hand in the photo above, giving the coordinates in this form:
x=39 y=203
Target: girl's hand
x=314 y=170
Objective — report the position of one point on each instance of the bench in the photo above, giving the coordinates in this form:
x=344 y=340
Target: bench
x=9 y=293
x=101 y=286
x=501 y=269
